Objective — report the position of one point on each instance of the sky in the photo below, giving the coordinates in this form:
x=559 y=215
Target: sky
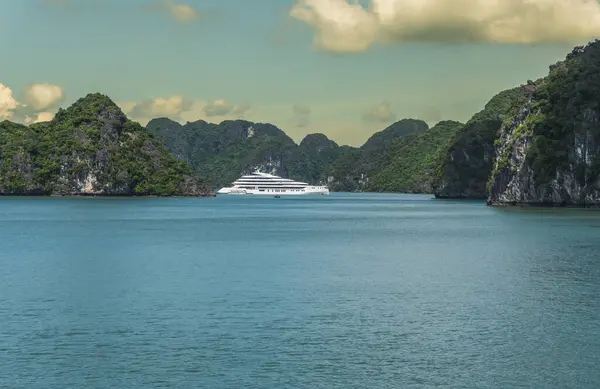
x=345 y=68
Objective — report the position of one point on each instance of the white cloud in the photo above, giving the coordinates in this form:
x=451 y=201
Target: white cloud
x=126 y=106
x=41 y=117
x=194 y=112
x=7 y=102
x=39 y=97
x=179 y=108
x=347 y=26
x=219 y=107
x=380 y=113
x=44 y=117
x=241 y=110
x=222 y=107
x=181 y=12
x=156 y=107
x=301 y=115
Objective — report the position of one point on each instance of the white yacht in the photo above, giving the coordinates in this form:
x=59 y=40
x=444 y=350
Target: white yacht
x=265 y=184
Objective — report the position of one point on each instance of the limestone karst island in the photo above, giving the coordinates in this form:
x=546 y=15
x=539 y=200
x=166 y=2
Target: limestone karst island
x=295 y=194
x=537 y=144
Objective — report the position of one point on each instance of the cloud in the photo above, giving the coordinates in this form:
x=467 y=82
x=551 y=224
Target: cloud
x=126 y=106
x=41 y=117
x=180 y=12
x=222 y=107
x=179 y=108
x=380 y=113
x=301 y=114
x=7 y=102
x=39 y=97
x=346 y=26
x=156 y=107
x=218 y=107
x=44 y=117
x=241 y=110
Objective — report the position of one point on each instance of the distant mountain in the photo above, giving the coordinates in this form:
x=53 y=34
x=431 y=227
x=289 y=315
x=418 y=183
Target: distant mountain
x=220 y=153
x=317 y=143
x=91 y=148
x=354 y=168
x=534 y=144
x=410 y=163
x=311 y=160
x=381 y=140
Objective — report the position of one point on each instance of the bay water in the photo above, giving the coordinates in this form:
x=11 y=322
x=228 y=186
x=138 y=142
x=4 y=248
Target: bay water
x=345 y=291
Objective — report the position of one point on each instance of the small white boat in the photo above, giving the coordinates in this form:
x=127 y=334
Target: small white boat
x=265 y=184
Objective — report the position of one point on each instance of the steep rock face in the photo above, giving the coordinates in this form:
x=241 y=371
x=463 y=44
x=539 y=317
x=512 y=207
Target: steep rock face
x=549 y=153
x=220 y=153
x=91 y=148
x=467 y=165
x=401 y=158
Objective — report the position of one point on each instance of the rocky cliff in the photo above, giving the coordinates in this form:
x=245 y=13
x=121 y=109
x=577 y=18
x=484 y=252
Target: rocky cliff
x=401 y=157
x=220 y=153
x=548 y=153
x=91 y=148
x=468 y=162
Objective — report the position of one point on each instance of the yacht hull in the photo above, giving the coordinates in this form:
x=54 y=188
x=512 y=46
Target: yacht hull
x=314 y=191
x=264 y=184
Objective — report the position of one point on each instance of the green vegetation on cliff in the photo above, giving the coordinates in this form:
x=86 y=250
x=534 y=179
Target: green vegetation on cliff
x=549 y=153
x=410 y=162
x=311 y=160
x=219 y=153
x=567 y=110
x=468 y=161
x=400 y=158
x=354 y=168
x=452 y=160
x=90 y=148
x=381 y=140
x=539 y=142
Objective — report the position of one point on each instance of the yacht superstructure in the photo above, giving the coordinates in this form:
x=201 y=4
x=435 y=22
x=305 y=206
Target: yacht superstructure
x=266 y=184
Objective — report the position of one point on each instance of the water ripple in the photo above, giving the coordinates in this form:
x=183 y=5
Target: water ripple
x=353 y=291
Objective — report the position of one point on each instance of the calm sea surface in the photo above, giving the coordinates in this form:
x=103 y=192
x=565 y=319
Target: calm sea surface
x=349 y=291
